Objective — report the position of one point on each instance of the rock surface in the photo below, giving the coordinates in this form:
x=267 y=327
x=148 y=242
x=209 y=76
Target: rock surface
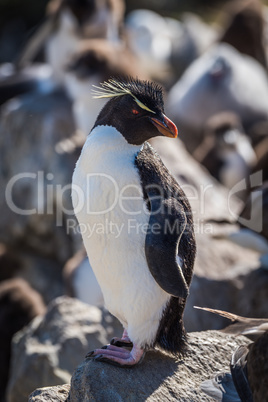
x=243 y=294
x=36 y=202
x=47 y=351
x=50 y=394
x=208 y=198
x=34 y=174
x=158 y=378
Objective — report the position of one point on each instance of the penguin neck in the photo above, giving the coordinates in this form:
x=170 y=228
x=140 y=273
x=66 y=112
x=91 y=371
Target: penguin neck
x=108 y=139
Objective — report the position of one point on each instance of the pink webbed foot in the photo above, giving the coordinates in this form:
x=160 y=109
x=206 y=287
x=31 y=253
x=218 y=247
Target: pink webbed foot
x=122 y=342
x=118 y=356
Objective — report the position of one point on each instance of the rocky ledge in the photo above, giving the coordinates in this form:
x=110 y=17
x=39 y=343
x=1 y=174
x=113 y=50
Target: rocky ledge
x=158 y=378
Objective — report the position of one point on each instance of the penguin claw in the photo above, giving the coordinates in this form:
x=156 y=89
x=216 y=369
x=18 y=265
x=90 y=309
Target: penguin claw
x=118 y=356
x=89 y=355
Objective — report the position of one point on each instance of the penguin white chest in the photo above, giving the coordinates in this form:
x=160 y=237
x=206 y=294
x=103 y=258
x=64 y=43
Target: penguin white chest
x=114 y=220
x=62 y=44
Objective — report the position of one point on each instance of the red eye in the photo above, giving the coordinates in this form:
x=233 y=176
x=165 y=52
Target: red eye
x=134 y=111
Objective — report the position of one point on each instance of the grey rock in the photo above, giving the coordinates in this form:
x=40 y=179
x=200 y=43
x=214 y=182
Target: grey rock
x=208 y=198
x=47 y=351
x=37 y=178
x=34 y=206
x=44 y=274
x=50 y=394
x=243 y=294
x=159 y=377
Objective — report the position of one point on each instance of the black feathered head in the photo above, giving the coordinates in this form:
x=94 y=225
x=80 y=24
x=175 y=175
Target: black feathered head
x=136 y=109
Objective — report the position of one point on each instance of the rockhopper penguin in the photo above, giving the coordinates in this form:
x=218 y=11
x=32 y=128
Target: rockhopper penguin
x=136 y=222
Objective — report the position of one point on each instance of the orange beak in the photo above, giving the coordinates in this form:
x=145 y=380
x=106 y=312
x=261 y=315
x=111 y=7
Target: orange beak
x=166 y=127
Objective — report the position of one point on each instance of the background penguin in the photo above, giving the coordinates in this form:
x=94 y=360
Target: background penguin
x=252 y=328
x=165 y=46
x=95 y=61
x=68 y=22
x=217 y=82
x=145 y=270
x=245 y=28
x=249 y=369
x=226 y=150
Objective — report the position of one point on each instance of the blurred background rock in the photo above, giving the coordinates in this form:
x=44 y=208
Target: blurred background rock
x=217 y=93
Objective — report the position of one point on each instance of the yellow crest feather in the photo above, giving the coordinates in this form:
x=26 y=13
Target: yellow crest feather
x=112 y=88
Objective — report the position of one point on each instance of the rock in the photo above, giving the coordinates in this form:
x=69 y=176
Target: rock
x=43 y=274
x=243 y=294
x=159 y=377
x=208 y=198
x=252 y=297
x=37 y=200
x=47 y=351
x=36 y=203
x=9 y=263
x=206 y=292
x=50 y=394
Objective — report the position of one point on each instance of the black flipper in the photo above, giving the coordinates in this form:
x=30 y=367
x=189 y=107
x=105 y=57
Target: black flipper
x=170 y=231
x=166 y=226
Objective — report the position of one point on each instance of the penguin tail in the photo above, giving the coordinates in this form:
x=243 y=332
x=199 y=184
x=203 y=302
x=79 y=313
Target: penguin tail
x=171 y=335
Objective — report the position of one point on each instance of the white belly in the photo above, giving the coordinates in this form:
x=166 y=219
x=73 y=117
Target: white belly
x=113 y=220
x=62 y=45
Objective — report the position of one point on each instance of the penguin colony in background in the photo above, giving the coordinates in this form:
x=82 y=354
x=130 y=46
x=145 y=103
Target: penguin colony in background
x=67 y=23
x=144 y=274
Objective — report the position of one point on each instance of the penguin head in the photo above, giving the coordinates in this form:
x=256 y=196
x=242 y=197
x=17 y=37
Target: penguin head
x=81 y=10
x=220 y=70
x=136 y=110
